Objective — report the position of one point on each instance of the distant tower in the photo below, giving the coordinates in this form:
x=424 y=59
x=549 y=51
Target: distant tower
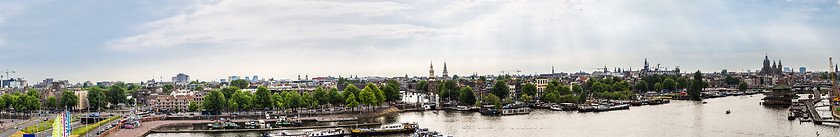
x=298 y=76
x=445 y=73
x=647 y=67
x=552 y=69
x=432 y=82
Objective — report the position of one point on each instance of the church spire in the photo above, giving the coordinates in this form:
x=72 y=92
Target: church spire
x=445 y=73
x=431 y=70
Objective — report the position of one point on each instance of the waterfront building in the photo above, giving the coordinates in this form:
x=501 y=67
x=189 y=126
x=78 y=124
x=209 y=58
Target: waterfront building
x=541 y=84
x=181 y=78
x=178 y=99
x=781 y=94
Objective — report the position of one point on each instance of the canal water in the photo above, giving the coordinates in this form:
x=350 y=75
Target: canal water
x=679 y=118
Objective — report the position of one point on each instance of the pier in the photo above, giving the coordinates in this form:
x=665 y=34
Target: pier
x=812 y=111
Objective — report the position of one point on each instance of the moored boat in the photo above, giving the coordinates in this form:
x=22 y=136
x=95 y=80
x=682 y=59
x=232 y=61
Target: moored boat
x=461 y=108
x=555 y=108
x=425 y=132
x=585 y=108
x=516 y=111
x=393 y=128
x=287 y=122
x=568 y=106
x=326 y=133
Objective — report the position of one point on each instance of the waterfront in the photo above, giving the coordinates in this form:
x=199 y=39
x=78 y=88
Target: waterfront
x=679 y=118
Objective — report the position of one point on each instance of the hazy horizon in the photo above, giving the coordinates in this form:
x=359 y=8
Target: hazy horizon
x=135 y=41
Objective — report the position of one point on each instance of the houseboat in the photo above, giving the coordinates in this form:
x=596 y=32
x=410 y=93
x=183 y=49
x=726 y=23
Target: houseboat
x=326 y=133
x=394 y=128
x=516 y=111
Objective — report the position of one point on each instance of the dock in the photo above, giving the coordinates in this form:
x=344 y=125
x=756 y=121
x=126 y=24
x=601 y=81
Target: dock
x=260 y=129
x=812 y=111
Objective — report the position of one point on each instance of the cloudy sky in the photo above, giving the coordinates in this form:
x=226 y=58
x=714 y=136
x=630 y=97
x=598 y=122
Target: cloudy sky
x=139 y=40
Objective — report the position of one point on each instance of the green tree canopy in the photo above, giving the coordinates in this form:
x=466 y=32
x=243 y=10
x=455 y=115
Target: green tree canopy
x=97 y=98
x=742 y=86
x=669 y=84
x=215 y=101
x=116 y=95
x=492 y=99
x=657 y=87
x=68 y=99
x=262 y=98
x=529 y=89
x=240 y=83
x=193 y=106
x=33 y=92
x=577 y=88
x=697 y=85
x=351 y=89
x=642 y=86
x=228 y=91
x=320 y=95
x=467 y=95
x=334 y=97
x=500 y=89
x=423 y=86
x=166 y=88
x=682 y=83
x=392 y=91
x=52 y=102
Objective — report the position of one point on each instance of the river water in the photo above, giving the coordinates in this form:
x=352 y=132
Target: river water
x=679 y=118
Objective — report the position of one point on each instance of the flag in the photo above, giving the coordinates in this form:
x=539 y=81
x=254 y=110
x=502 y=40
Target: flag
x=67 y=128
x=57 y=125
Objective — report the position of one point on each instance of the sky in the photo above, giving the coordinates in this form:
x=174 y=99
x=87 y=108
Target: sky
x=132 y=41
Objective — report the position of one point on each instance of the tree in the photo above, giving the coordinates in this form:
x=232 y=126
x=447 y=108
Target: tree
x=166 y=88
x=525 y=97
x=351 y=101
x=492 y=99
x=642 y=86
x=32 y=103
x=96 y=98
x=657 y=87
x=423 y=86
x=729 y=80
x=367 y=97
x=529 y=89
x=293 y=99
x=8 y=101
x=240 y=83
x=334 y=97
x=215 y=101
x=33 y=92
x=193 y=106
x=682 y=83
x=240 y=101
x=351 y=89
x=262 y=98
x=228 y=91
x=577 y=88
x=278 y=100
x=320 y=95
x=697 y=85
x=742 y=86
x=482 y=78
x=68 y=100
x=52 y=102
x=392 y=91
x=669 y=84
x=467 y=95
x=199 y=88
x=500 y=89
x=307 y=99
x=380 y=95
x=116 y=95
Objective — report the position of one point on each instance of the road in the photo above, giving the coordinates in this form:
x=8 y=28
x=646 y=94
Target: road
x=12 y=131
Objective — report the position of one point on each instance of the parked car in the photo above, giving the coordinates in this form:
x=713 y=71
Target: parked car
x=234 y=113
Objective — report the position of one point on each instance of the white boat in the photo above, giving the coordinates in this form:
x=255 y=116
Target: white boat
x=461 y=108
x=326 y=133
x=394 y=128
x=555 y=108
x=515 y=111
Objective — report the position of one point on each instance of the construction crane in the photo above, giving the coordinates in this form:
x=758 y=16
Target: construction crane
x=7 y=73
x=833 y=92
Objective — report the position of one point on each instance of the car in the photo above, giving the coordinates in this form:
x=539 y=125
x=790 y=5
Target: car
x=234 y=113
x=192 y=114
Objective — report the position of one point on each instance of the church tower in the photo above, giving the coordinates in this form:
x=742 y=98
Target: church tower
x=432 y=81
x=445 y=73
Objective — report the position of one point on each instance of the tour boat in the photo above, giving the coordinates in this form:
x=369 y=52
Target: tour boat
x=619 y=107
x=602 y=108
x=393 y=128
x=326 y=133
x=636 y=103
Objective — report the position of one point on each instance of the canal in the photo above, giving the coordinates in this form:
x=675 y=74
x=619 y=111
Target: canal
x=679 y=118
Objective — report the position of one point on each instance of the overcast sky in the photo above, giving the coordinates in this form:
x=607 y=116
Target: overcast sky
x=138 y=40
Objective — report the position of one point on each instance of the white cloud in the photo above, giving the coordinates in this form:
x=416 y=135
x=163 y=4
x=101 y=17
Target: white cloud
x=266 y=23
x=487 y=35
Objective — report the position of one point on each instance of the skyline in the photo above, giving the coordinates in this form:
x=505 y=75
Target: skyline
x=209 y=40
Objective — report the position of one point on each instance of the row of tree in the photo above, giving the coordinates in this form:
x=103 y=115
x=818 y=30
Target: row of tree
x=232 y=98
